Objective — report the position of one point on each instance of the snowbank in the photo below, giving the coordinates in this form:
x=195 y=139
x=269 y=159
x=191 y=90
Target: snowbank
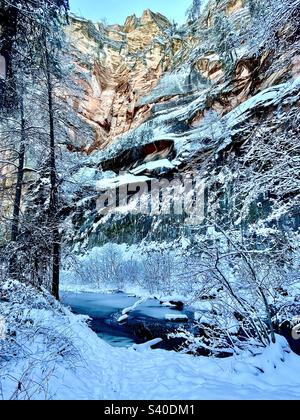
x=59 y=357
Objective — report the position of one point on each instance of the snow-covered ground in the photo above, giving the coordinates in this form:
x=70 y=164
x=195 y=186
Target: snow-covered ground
x=59 y=357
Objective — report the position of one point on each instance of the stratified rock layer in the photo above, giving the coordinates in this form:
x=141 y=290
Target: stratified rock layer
x=116 y=66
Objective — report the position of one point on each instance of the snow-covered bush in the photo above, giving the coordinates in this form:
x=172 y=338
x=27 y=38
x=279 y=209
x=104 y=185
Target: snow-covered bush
x=251 y=290
x=158 y=271
x=108 y=267
x=37 y=339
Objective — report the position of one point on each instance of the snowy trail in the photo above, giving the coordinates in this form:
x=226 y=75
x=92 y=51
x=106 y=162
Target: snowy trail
x=115 y=373
x=66 y=360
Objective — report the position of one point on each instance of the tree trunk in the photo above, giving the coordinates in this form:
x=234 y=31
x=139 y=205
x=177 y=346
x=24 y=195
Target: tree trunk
x=20 y=177
x=13 y=270
x=54 y=202
x=8 y=24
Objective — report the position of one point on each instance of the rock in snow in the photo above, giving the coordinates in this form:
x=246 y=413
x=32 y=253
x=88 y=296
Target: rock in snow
x=123 y=318
x=148 y=345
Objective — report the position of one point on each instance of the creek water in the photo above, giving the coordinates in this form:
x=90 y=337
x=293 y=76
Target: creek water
x=145 y=322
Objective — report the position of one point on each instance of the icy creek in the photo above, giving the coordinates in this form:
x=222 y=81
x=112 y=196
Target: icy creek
x=148 y=320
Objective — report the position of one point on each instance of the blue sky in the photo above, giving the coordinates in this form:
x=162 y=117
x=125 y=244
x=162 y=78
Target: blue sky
x=115 y=11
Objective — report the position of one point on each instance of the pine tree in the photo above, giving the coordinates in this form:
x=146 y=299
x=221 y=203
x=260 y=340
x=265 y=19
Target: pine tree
x=54 y=199
x=33 y=51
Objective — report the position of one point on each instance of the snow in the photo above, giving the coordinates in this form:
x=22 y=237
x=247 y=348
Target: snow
x=168 y=117
x=108 y=373
x=123 y=318
x=133 y=307
x=61 y=358
x=86 y=176
x=46 y=352
x=265 y=98
x=158 y=164
x=2 y=67
x=169 y=305
x=182 y=81
x=84 y=280
x=147 y=346
x=121 y=180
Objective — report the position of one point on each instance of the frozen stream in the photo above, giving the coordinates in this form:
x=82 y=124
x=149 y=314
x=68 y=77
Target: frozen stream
x=145 y=322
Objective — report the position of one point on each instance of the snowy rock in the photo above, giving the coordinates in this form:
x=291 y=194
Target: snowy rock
x=123 y=318
x=173 y=304
x=168 y=305
x=147 y=346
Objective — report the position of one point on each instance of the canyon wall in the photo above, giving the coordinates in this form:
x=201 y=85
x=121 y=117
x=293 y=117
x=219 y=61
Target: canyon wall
x=157 y=93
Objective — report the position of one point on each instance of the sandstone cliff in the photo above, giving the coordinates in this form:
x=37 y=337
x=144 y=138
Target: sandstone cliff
x=116 y=66
x=154 y=91
x=125 y=71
